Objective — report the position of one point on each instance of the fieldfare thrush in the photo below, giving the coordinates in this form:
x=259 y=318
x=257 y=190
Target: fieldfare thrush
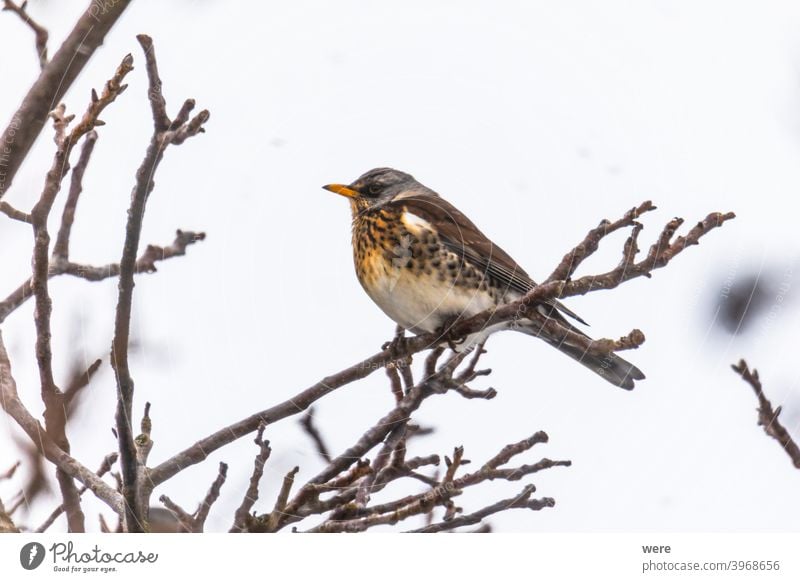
x=426 y=264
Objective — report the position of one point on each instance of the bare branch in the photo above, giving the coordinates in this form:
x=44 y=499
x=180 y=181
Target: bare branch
x=201 y=514
x=767 y=416
x=105 y=467
x=566 y=268
x=53 y=398
x=361 y=469
x=157 y=102
x=13 y=406
x=185 y=520
x=517 y=473
x=136 y=498
x=660 y=255
x=521 y=308
x=355 y=517
x=393 y=441
x=38 y=30
x=395 y=384
x=143 y=442
x=54 y=81
x=510 y=451
x=453 y=465
x=199 y=451
x=61 y=248
x=79 y=381
x=144 y=264
x=242 y=516
x=277 y=514
x=307 y=422
x=195 y=522
x=15 y=214
x=522 y=501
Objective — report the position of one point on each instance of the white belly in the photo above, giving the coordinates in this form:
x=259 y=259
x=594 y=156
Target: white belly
x=423 y=304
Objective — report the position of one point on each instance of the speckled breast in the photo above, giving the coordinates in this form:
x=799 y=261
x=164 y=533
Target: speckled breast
x=411 y=275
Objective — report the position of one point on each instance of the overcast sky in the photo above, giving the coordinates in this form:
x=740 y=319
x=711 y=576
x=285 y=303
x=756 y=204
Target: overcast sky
x=537 y=120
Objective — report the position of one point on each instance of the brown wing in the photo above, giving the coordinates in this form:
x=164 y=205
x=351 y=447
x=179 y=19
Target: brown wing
x=460 y=235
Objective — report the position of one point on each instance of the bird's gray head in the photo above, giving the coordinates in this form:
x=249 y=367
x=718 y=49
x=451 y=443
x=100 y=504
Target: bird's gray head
x=376 y=187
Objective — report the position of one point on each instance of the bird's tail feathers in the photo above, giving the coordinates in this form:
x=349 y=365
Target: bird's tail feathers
x=610 y=367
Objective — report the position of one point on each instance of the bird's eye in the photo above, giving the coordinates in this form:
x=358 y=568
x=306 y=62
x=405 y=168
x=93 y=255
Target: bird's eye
x=374 y=189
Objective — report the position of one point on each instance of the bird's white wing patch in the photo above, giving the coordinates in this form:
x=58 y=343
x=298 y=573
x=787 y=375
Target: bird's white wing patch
x=415 y=224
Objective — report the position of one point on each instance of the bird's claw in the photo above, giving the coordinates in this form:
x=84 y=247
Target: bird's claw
x=395 y=346
x=447 y=335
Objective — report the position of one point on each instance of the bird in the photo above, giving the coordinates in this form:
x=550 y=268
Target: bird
x=427 y=265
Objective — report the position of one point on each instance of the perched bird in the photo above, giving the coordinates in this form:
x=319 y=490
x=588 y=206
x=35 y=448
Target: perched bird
x=426 y=264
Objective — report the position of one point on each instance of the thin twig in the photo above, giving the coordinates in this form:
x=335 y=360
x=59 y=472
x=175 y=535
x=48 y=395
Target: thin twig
x=280 y=503
x=185 y=520
x=201 y=514
x=566 y=268
x=767 y=416
x=14 y=213
x=521 y=501
x=79 y=381
x=38 y=30
x=393 y=441
x=61 y=247
x=242 y=516
x=307 y=422
x=394 y=382
x=349 y=517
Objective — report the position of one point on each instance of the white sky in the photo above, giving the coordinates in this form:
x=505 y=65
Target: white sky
x=536 y=120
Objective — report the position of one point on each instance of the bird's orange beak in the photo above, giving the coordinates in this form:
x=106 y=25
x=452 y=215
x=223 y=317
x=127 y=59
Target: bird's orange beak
x=341 y=190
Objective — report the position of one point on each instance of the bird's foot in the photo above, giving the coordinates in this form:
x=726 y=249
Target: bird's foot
x=447 y=335
x=398 y=342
